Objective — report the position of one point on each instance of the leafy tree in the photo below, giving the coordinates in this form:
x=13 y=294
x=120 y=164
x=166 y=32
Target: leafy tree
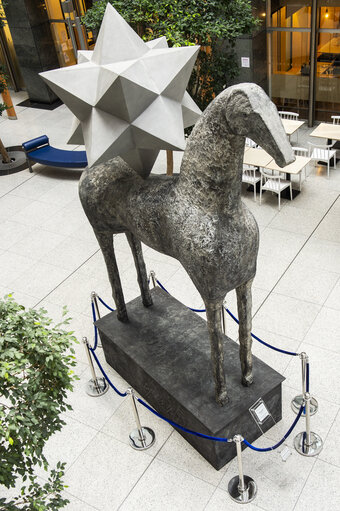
x=35 y=374
x=213 y=24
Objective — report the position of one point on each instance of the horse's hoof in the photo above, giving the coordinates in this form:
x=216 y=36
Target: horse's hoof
x=247 y=380
x=148 y=302
x=124 y=318
x=222 y=398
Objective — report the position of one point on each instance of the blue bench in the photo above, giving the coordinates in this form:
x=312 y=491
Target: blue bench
x=38 y=150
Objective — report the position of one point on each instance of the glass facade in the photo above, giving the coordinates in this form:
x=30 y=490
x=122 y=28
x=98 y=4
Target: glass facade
x=64 y=32
x=8 y=56
x=291 y=82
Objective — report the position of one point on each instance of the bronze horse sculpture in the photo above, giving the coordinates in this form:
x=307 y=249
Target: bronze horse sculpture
x=196 y=216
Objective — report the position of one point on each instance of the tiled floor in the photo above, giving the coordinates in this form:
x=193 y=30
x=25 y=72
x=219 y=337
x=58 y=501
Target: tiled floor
x=49 y=257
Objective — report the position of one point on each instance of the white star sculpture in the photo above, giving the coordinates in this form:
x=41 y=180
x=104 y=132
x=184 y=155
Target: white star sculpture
x=128 y=96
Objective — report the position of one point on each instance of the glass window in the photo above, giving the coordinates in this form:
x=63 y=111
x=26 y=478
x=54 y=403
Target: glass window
x=297 y=15
x=329 y=17
x=290 y=70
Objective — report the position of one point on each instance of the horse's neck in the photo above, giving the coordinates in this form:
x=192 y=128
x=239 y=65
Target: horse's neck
x=211 y=168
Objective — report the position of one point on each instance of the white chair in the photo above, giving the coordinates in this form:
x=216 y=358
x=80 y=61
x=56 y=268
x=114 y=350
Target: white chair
x=301 y=151
x=336 y=143
x=250 y=142
x=292 y=116
x=251 y=176
x=274 y=183
x=322 y=153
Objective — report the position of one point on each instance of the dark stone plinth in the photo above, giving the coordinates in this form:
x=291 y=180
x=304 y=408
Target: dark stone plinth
x=164 y=354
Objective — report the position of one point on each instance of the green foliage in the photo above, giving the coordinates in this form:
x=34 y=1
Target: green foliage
x=3 y=107
x=213 y=24
x=2 y=12
x=3 y=78
x=35 y=375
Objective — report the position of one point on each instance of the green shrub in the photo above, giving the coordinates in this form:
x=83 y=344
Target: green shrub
x=213 y=24
x=36 y=358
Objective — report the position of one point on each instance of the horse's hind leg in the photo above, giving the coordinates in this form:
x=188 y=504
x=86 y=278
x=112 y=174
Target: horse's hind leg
x=244 y=303
x=216 y=344
x=136 y=248
x=105 y=240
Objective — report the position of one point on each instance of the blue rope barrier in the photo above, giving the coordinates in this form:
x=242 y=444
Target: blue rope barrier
x=121 y=394
x=162 y=287
x=94 y=326
x=264 y=342
x=292 y=353
x=105 y=304
x=266 y=449
x=186 y=430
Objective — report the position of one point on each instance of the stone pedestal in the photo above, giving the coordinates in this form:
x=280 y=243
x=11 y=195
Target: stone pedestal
x=164 y=354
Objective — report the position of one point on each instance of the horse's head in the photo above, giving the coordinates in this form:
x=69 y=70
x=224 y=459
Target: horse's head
x=250 y=113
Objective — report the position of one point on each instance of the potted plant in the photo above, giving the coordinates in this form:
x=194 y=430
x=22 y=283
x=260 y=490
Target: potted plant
x=36 y=361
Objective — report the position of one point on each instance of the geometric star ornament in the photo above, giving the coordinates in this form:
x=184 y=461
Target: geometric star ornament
x=129 y=97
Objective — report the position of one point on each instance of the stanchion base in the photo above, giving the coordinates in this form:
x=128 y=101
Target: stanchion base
x=242 y=497
x=97 y=387
x=141 y=445
x=298 y=401
x=308 y=450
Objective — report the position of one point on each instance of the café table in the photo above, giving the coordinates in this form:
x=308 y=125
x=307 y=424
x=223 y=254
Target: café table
x=328 y=131
x=291 y=126
x=256 y=157
x=294 y=168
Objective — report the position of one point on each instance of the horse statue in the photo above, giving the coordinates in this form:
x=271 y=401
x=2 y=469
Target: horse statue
x=196 y=216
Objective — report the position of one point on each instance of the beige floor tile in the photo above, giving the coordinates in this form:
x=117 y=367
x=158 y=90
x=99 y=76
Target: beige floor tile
x=286 y=316
x=12 y=266
x=35 y=243
x=106 y=472
x=330 y=452
x=35 y=214
x=281 y=244
x=122 y=422
x=325 y=331
x=41 y=280
x=321 y=491
x=171 y=489
x=333 y=300
x=297 y=220
x=71 y=253
x=320 y=254
x=305 y=283
x=180 y=454
x=92 y=411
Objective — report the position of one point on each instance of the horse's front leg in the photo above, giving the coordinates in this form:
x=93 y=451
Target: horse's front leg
x=136 y=248
x=244 y=303
x=215 y=333
x=105 y=240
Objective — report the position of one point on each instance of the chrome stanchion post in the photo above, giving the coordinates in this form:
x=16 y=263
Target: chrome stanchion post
x=223 y=318
x=299 y=399
x=141 y=438
x=241 y=488
x=94 y=300
x=96 y=386
x=153 y=278
x=308 y=443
